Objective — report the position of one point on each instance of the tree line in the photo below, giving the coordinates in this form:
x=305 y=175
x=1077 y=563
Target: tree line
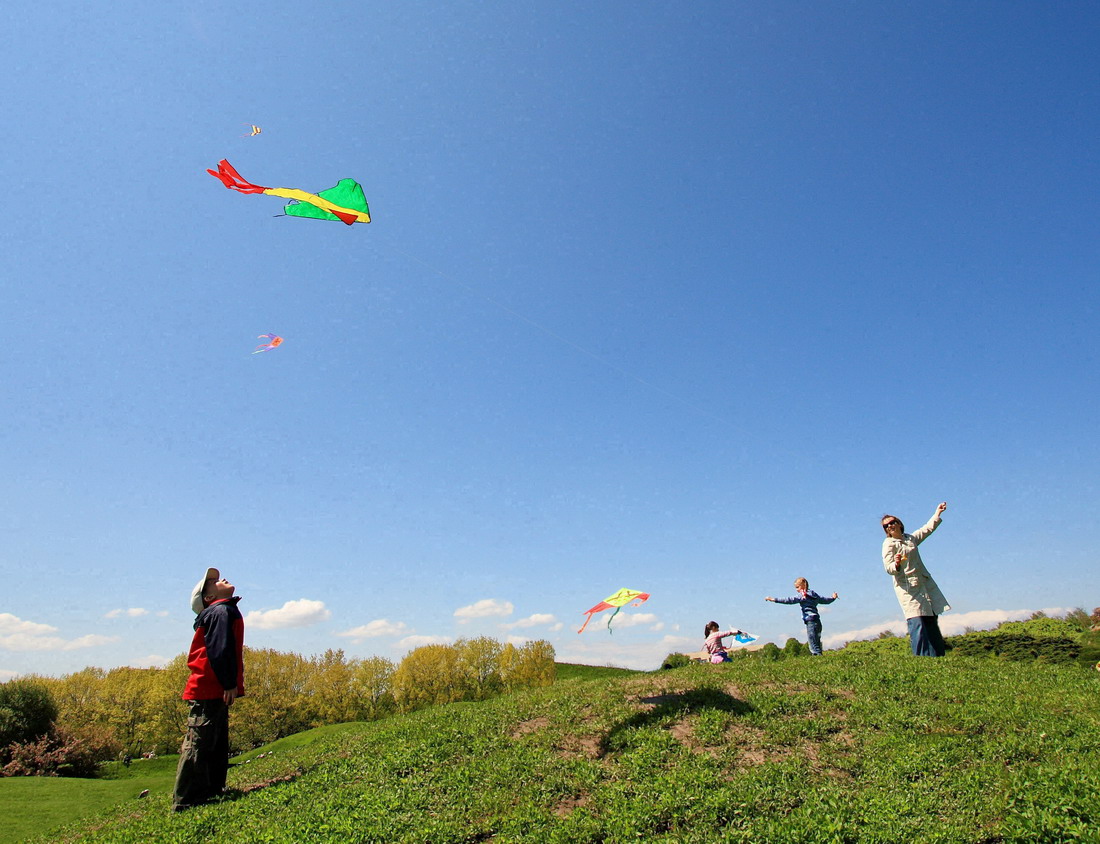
x=63 y=725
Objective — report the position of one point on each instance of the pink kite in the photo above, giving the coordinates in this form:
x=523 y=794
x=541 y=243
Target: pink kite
x=273 y=341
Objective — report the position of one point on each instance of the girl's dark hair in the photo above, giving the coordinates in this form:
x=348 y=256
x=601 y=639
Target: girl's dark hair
x=711 y=626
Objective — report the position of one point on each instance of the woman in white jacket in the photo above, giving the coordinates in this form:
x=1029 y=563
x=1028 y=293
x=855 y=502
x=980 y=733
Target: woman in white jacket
x=919 y=596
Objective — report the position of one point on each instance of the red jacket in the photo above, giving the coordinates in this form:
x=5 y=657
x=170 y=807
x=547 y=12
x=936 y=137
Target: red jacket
x=216 y=658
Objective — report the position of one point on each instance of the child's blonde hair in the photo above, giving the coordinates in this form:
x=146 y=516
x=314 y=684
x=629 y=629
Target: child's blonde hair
x=801 y=583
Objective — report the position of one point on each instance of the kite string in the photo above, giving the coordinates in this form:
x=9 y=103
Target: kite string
x=561 y=339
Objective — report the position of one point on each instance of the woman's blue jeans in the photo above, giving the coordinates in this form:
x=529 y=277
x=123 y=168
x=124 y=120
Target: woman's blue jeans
x=924 y=636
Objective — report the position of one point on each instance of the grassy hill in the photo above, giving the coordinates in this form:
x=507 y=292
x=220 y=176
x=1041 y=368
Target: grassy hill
x=864 y=744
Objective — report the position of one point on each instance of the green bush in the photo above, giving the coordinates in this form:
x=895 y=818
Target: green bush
x=62 y=753
x=675 y=661
x=770 y=652
x=1017 y=647
x=793 y=647
x=27 y=712
x=1041 y=626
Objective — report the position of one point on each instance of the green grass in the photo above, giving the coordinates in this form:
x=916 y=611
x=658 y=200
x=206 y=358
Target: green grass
x=861 y=745
x=572 y=671
x=33 y=805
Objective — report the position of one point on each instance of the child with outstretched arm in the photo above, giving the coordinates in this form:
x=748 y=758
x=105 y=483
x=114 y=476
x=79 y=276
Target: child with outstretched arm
x=713 y=644
x=808 y=600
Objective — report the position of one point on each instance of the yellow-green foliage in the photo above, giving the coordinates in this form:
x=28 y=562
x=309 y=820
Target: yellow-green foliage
x=471 y=669
x=138 y=707
x=1041 y=626
x=285 y=693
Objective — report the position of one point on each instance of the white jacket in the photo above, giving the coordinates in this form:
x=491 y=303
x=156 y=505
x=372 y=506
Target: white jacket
x=917 y=592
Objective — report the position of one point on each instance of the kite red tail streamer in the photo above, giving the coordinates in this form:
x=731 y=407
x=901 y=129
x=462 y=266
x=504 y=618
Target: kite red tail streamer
x=233 y=180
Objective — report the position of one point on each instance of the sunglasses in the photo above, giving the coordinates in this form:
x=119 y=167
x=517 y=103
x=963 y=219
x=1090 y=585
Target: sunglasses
x=891 y=524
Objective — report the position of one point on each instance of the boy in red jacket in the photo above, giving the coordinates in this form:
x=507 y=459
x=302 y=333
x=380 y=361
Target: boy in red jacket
x=217 y=679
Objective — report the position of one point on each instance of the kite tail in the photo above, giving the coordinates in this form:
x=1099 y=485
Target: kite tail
x=233 y=180
x=587 y=619
x=617 y=609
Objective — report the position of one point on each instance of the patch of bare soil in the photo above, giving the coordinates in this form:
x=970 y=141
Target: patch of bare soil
x=586 y=747
x=532 y=725
x=256 y=786
x=569 y=805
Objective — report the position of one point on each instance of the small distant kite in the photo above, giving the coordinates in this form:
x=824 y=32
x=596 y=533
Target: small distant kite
x=273 y=341
x=344 y=202
x=255 y=131
x=619 y=600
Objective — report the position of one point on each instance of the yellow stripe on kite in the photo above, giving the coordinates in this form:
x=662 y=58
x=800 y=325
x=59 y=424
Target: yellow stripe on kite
x=320 y=202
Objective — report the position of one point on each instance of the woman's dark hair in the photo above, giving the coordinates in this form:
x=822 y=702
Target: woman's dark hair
x=710 y=628
x=886 y=517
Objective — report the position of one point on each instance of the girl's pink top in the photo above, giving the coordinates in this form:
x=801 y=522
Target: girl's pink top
x=713 y=644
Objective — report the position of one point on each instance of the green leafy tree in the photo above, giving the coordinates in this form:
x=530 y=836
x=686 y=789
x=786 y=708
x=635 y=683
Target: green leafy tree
x=479 y=664
x=126 y=703
x=371 y=687
x=79 y=697
x=530 y=665
x=275 y=703
x=165 y=710
x=27 y=712
x=427 y=676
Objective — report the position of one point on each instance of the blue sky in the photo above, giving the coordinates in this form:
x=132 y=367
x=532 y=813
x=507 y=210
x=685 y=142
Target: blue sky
x=674 y=297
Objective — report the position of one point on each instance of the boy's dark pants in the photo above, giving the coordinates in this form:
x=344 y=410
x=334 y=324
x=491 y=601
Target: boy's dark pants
x=204 y=757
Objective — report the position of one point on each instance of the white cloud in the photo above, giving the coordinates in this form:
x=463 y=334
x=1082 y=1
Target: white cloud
x=636 y=619
x=151 y=661
x=539 y=619
x=133 y=612
x=869 y=632
x=378 y=627
x=951 y=624
x=644 y=655
x=26 y=642
x=484 y=608
x=10 y=624
x=300 y=613
x=411 y=642
x=6 y=675
x=19 y=635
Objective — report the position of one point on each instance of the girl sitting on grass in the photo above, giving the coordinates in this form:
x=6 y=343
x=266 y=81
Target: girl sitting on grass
x=713 y=645
x=809 y=600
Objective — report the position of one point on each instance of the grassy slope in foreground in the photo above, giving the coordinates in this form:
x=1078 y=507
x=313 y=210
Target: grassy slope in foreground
x=867 y=744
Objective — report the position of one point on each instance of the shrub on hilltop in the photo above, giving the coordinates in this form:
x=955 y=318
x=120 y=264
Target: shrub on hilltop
x=27 y=712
